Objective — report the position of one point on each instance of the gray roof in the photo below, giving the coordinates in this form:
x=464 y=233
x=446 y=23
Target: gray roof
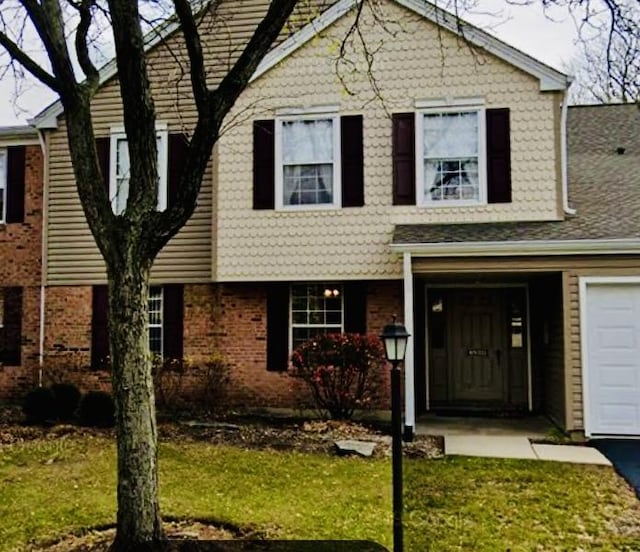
x=604 y=187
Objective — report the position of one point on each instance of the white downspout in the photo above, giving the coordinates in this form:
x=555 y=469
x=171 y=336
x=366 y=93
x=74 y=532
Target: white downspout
x=563 y=155
x=409 y=384
x=43 y=252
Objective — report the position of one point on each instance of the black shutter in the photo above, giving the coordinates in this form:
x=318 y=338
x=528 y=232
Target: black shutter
x=264 y=167
x=498 y=156
x=352 y=161
x=355 y=307
x=103 y=148
x=12 y=326
x=404 y=165
x=277 y=326
x=172 y=321
x=99 y=327
x=178 y=147
x=15 y=183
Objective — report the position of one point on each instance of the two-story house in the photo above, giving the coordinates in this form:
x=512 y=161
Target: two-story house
x=21 y=286
x=435 y=186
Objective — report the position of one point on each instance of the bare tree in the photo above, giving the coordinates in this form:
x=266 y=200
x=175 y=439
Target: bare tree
x=607 y=70
x=130 y=241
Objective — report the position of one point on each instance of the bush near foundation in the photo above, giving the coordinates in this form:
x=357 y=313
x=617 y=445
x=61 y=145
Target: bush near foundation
x=342 y=371
x=97 y=409
x=66 y=397
x=39 y=406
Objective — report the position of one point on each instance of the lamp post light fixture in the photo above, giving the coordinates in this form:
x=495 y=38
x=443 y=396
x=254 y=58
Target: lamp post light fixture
x=394 y=336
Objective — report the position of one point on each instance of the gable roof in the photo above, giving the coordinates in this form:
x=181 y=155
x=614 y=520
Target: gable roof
x=332 y=10
x=604 y=187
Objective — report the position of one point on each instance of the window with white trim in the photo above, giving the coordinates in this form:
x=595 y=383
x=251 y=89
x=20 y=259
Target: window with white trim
x=155 y=308
x=120 y=170
x=451 y=156
x=3 y=185
x=316 y=308
x=308 y=161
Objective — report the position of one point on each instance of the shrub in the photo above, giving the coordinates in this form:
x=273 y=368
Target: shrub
x=216 y=377
x=342 y=371
x=168 y=376
x=39 y=405
x=66 y=397
x=97 y=409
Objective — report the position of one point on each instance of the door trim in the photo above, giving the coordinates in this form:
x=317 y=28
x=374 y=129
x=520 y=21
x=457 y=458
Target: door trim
x=583 y=283
x=492 y=285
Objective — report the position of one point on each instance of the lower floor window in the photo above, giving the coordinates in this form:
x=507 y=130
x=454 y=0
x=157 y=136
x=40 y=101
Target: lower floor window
x=316 y=308
x=155 y=308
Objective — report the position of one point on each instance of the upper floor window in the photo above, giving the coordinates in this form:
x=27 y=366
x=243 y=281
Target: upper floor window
x=120 y=170
x=452 y=161
x=451 y=156
x=3 y=184
x=315 y=309
x=308 y=162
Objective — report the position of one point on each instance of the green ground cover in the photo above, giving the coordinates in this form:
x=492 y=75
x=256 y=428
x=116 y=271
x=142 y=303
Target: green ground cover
x=51 y=487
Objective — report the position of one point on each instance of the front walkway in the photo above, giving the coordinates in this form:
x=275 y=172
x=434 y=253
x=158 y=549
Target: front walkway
x=504 y=438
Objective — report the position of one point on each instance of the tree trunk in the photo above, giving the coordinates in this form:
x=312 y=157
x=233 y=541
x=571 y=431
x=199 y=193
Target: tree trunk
x=139 y=524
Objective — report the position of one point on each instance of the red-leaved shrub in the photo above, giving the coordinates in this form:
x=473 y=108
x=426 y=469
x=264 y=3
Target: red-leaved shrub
x=343 y=372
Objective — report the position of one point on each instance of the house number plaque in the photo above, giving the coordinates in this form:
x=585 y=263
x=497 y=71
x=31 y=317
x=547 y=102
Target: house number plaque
x=477 y=352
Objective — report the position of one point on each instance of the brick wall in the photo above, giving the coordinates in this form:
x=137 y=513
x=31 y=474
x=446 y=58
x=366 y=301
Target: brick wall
x=20 y=252
x=220 y=319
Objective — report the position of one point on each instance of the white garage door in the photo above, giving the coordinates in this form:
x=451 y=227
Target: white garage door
x=612 y=369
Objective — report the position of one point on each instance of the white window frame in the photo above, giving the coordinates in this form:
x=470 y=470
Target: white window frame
x=482 y=156
x=308 y=115
x=154 y=325
x=117 y=134
x=327 y=286
x=3 y=184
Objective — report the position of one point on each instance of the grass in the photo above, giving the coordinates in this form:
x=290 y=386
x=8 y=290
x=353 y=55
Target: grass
x=52 y=487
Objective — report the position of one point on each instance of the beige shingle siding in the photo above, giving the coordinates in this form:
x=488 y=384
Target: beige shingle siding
x=352 y=243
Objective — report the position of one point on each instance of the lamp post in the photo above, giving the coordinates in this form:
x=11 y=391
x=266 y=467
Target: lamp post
x=395 y=338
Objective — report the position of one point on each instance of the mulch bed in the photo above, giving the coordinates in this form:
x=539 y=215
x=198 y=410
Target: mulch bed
x=251 y=432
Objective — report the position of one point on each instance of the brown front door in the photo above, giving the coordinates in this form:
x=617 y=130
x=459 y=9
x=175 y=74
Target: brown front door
x=477 y=343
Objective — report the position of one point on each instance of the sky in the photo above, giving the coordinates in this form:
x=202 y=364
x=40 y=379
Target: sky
x=550 y=37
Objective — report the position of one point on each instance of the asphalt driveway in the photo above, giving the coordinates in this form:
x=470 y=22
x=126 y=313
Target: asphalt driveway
x=624 y=454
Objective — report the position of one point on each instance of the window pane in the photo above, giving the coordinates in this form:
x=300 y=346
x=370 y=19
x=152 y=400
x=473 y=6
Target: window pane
x=451 y=157
x=307 y=184
x=154 y=306
x=307 y=142
x=323 y=310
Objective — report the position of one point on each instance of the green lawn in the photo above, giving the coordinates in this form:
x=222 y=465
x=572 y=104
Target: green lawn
x=49 y=488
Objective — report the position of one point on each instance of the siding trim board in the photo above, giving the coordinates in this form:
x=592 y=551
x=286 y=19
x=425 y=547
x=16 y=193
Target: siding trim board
x=540 y=247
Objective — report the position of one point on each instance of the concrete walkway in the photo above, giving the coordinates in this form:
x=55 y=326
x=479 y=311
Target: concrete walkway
x=500 y=446
x=504 y=438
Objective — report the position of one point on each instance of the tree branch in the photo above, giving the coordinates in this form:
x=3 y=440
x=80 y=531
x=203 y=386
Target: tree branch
x=28 y=63
x=194 y=49
x=82 y=48
x=238 y=77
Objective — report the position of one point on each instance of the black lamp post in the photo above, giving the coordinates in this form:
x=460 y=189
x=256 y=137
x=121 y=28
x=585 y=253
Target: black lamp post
x=395 y=338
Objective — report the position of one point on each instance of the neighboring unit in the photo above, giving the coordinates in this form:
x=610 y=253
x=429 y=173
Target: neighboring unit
x=21 y=198
x=461 y=194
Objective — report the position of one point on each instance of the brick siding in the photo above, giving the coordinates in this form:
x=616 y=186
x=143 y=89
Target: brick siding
x=227 y=320
x=21 y=250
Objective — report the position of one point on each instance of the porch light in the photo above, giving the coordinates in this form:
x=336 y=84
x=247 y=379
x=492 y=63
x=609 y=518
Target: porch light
x=395 y=338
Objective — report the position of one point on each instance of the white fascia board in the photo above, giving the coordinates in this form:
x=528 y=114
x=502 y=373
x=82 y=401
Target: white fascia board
x=520 y=248
x=550 y=79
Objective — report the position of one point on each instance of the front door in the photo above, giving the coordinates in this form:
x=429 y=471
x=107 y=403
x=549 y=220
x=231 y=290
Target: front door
x=476 y=347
